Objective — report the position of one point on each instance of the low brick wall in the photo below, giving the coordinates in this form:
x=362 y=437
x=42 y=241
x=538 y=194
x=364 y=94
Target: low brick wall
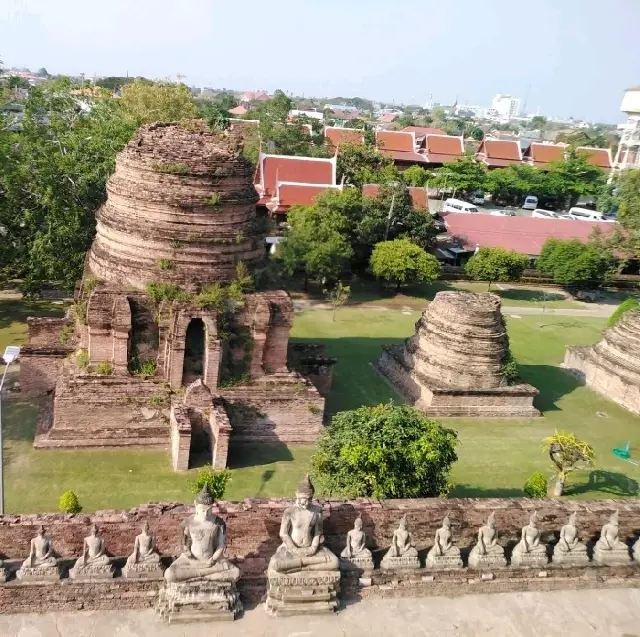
x=253 y=527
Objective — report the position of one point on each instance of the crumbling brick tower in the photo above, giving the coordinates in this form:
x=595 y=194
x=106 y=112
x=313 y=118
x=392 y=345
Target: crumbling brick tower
x=162 y=347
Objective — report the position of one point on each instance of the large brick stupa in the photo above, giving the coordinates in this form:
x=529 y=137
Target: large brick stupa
x=157 y=352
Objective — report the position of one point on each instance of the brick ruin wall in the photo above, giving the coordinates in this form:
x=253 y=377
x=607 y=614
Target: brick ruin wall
x=253 y=527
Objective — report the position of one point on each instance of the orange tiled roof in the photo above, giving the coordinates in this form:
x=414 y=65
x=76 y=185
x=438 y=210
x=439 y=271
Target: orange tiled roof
x=498 y=153
x=600 y=157
x=418 y=195
x=542 y=155
x=338 y=136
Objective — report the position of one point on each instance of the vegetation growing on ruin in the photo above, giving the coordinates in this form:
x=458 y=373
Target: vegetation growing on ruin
x=159 y=292
x=173 y=169
x=104 y=368
x=159 y=400
x=80 y=311
x=213 y=200
x=215 y=479
x=82 y=359
x=166 y=264
x=510 y=369
x=89 y=284
x=66 y=334
x=629 y=305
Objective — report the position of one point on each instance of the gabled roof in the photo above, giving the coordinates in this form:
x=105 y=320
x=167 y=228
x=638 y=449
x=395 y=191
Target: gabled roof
x=421 y=131
x=418 y=195
x=499 y=153
x=597 y=156
x=290 y=194
x=338 y=136
x=272 y=169
x=441 y=149
x=396 y=140
x=526 y=235
x=387 y=117
x=541 y=155
x=238 y=110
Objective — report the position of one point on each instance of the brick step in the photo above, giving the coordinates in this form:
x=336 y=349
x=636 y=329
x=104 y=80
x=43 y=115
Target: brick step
x=45 y=442
x=483 y=412
x=126 y=433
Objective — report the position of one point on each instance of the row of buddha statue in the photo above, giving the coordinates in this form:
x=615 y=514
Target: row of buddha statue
x=303 y=575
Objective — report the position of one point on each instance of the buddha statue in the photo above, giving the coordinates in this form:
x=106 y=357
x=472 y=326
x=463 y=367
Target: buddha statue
x=402 y=553
x=355 y=553
x=528 y=551
x=203 y=540
x=94 y=563
x=609 y=549
x=144 y=562
x=301 y=535
x=487 y=553
x=303 y=575
x=443 y=554
x=569 y=550
x=41 y=563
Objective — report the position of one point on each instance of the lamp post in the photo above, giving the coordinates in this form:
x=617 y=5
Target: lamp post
x=11 y=353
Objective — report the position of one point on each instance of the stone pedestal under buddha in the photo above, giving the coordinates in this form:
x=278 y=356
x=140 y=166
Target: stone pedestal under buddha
x=144 y=562
x=570 y=551
x=94 y=563
x=487 y=553
x=529 y=552
x=443 y=555
x=41 y=565
x=609 y=550
x=402 y=554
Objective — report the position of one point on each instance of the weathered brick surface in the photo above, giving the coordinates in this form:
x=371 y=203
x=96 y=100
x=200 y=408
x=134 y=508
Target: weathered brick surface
x=46 y=331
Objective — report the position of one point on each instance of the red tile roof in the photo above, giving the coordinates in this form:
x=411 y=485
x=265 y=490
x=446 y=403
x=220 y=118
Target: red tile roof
x=338 y=136
x=292 y=194
x=597 y=156
x=250 y=96
x=421 y=130
x=541 y=155
x=338 y=114
x=526 y=235
x=496 y=152
x=418 y=195
x=396 y=140
x=387 y=118
x=441 y=149
x=300 y=170
x=238 y=110
x=405 y=156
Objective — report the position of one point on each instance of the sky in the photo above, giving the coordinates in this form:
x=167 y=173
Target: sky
x=565 y=57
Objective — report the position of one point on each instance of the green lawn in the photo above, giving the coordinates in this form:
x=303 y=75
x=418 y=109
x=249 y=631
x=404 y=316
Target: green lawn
x=495 y=456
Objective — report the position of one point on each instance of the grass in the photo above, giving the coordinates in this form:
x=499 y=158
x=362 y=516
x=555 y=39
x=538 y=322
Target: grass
x=495 y=456
x=367 y=293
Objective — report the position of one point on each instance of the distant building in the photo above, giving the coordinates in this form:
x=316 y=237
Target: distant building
x=340 y=107
x=254 y=96
x=295 y=113
x=600 y=157
x=541 y=155
x=506 y=106
x=628 y=155
x=338 y=136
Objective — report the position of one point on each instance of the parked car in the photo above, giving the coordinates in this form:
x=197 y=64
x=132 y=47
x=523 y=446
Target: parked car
x=584 y=214
x=503 y=213
x=457 y=205
x=539 y=213
x=477 y=198
x=530 y=202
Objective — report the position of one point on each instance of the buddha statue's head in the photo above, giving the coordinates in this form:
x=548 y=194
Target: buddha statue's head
x=446 y=523
x=204 y=502
x=615 y=518
x=403 y=523
x=357 y=524
x=41 y=531
x=533 y=519
x=573 y=518
x=145 y=528
x=304 y=493
x=491 y=520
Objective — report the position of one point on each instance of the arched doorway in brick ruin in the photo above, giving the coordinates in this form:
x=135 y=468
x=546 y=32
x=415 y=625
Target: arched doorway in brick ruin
x=194 y=352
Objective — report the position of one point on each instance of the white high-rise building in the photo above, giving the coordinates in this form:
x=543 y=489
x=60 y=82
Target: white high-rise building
x=506 y=106
x=628 y=155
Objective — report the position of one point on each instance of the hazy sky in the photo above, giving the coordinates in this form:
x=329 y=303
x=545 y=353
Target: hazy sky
x=569 y=57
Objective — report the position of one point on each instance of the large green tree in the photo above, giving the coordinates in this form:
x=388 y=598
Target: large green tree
x=402 y=262
x=496 y=264
x=575 y=264
x=360 y=164
x=463 y=176
x=628 y=193
x=386 y=451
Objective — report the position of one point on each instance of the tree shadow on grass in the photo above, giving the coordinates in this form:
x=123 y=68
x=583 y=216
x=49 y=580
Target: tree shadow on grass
x=552 y=382
x=17 y=310
x=255 y=455
x=19 y=419
x=611 y=482
x=370 y=291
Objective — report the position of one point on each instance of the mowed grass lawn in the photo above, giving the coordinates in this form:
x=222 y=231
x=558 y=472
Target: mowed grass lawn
x=495 y=456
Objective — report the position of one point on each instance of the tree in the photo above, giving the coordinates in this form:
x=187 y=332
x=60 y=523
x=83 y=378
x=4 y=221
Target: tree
x=590 y=137
x=537 y=122
x=496 y=264
x=360 y=164
x=629 y=211
x=567 y=453
x=575 y=264
x=337 y=296
x=386 y=451
x=463 y=175
x=566 y=181
x=42 y=72
x=147 y=102
x=415 y=176
x=403 y=262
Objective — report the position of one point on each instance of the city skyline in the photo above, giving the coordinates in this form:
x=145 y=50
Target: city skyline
x=329 y=50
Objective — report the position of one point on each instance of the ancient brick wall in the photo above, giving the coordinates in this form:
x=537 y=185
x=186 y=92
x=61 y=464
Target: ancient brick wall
x=46 y=331
x=39 y=367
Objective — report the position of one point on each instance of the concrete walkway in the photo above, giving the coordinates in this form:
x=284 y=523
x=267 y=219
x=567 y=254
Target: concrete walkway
x=588 y=613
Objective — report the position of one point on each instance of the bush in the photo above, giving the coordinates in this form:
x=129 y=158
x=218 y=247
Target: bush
x=69 y=503
x=511 y=370
x=215 y=479
x=496 y=264
x=166 y=292
x=386 y=451
x=82 y=359
x=166 y=264
x=174 y=169
x=536 y=486
x=403 y=262
x=146 y=369
x=626 y=306
x=104 y=368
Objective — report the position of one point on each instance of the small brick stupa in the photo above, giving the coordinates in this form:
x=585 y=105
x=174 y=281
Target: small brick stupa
x=454 y=365
x=158 y=352
x=612 y=365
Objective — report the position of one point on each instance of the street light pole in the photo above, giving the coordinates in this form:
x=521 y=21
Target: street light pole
x=11 y=353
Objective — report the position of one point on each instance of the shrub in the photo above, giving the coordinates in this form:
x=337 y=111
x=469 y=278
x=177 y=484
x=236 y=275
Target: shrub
x=174 y=169
x=511 y=370
x=166 y=292
x=166 y=264
x=403 y=262
x=496 y=264
x=629 y=305
x=536 y=486
x=82 y=359
x=386 y=451
x=104 y=368
x=146 y=369
x=213 y=200
x=69 y=503
x=215 y=479
x=89 y=285
x=66 y=333
x=80 y=311
x=314 y=409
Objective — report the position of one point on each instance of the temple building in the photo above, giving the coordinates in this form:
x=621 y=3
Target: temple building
x=168 y=345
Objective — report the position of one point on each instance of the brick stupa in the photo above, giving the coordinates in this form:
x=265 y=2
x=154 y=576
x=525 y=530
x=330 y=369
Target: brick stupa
x=454 y=364
x=612 y=365
x=158 y=365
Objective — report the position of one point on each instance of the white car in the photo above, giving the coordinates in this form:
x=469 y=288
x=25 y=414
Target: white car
x=502 y=213
x=584 y=214
x=539 y=213
x=477 y=198
x=530 y=202
x=457 y=205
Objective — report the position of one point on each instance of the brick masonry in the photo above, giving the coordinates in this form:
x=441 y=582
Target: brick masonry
x=253 y=527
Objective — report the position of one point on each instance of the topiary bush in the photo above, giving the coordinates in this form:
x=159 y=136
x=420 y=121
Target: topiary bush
x=69 y=503
x=536 y=485
x=215 y=479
